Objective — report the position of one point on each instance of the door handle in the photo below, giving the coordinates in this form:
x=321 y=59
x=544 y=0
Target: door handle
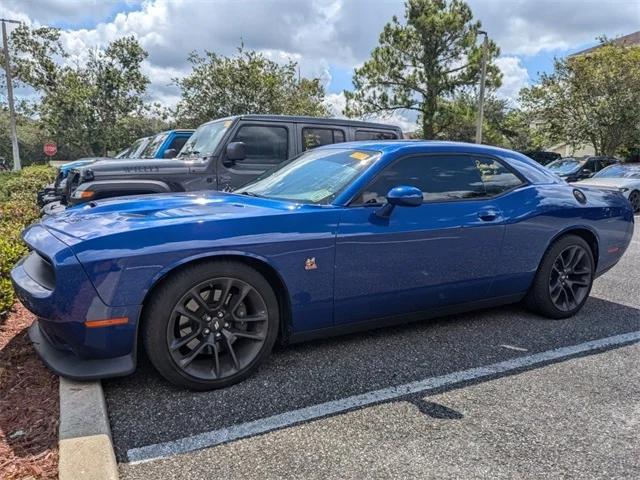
x=488 y=214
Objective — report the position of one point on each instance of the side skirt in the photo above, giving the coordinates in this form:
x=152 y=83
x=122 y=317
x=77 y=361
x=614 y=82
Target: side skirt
x=405 y=318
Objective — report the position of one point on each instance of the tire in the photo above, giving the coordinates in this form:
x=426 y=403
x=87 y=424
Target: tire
x=552 y=289
x=634 y=199
x=215 y=342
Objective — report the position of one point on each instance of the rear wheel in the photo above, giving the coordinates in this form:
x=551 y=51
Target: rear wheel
x=211 y=325
x=634 y=198
x=564 y=279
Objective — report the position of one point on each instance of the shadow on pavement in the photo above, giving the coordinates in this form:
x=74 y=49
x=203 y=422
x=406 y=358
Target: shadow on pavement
x=145 y=409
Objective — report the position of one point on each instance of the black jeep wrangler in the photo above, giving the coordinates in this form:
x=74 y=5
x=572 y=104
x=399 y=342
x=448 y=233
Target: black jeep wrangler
x=222 y=154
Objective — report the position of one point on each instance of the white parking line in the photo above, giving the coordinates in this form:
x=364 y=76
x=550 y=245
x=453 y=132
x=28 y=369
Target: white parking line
x=235 y=432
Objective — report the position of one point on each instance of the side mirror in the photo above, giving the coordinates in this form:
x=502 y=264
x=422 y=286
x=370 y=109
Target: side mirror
x=170 y=153
x=402 y=196
x=586 y=173
x=236 y=151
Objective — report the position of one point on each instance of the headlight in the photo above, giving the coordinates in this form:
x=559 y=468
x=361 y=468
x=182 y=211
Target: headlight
x=624 y=189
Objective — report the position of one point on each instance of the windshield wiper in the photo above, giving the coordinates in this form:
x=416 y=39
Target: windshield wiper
x=251 y=194
x=189 y=153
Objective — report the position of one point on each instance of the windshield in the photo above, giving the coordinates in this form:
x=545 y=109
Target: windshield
x=153 y=146
x=564 y=166
x=123 y=153
x=619 y=171
x=316 y=176
x=205 y=139
x=138 y=146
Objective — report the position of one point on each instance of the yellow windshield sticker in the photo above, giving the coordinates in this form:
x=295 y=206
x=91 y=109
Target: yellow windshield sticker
x=227 y=124
x=359 y=155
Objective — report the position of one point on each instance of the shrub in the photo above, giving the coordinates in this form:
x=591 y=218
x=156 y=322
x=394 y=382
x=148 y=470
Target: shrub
x=18 y=209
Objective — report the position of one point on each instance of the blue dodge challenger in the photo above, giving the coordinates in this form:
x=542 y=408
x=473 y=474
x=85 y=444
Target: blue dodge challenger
x=343 y=237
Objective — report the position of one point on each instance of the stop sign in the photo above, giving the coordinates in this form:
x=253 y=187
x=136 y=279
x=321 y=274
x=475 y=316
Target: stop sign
x=50 y=149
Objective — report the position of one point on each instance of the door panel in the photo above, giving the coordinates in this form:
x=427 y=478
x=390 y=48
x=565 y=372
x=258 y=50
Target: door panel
x=424 y=257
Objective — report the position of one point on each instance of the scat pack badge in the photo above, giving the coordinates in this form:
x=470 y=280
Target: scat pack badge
x=310 y=264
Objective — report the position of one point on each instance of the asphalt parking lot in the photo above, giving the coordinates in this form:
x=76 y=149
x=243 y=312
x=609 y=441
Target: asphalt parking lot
x=572 y=413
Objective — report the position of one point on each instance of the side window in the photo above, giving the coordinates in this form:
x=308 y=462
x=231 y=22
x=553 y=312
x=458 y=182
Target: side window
x=496 y=177
x=264 y=144
x=451 y=177
x=178 y=143
x=373 y=135
x=316 y=137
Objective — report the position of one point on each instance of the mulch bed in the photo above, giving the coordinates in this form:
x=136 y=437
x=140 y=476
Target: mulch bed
x=29 y=405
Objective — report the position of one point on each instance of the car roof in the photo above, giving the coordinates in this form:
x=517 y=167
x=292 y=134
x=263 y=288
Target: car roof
x=409 y=144
x=307 y=119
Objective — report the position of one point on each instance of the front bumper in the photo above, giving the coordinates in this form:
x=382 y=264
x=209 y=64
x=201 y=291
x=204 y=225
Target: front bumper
x=63 y=302
x=67 y=364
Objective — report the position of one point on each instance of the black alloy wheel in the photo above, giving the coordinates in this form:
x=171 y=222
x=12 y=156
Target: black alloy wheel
x=570 y=279
x=210 y=325
x=217 y=328
x=563 y=280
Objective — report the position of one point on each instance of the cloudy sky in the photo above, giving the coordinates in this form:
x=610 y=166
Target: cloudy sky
x=327 y=37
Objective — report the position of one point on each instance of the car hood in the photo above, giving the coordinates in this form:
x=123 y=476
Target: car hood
x=81 y=163
x=112 y=216
x=610 y=182
x=142 y=165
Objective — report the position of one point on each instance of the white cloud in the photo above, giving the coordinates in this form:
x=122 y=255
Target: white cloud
x=514 y=77
x=318 y=34
x=528 y=27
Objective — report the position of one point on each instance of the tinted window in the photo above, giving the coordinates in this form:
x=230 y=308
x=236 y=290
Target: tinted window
x=373 y=135
x=316 y=137
x=268 y=145
x=178 y=142
x=449 y=177
x=152 y=148
x=496 y=177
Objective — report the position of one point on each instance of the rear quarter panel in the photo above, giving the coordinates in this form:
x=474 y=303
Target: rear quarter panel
x=538 y=214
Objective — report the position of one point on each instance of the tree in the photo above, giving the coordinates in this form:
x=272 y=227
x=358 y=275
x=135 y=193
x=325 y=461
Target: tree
x=88 y=104
x=248 y=82
x=593 y=98
x=423 y=63
x=85 y=104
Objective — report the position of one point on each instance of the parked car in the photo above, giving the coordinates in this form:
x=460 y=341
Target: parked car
x=341 y=238
x=624 y=177
x=572 y=169
x=542 y=157
x=162 y=145
x=221 y=155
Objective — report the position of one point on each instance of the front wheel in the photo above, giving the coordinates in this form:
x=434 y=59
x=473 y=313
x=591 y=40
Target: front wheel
x=563 y=280
x=211 y=325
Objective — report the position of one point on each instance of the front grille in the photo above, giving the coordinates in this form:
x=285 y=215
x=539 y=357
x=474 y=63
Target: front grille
x=40 y=270
x=73 y=180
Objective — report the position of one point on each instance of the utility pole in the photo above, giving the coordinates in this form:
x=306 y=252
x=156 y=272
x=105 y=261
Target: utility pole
x=483 y=74
x=12 y=110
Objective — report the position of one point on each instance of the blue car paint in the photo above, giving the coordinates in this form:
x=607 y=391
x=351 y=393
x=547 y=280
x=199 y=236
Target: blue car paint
x=108 y=256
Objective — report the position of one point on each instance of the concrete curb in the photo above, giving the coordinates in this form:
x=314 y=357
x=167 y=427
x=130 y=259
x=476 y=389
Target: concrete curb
x=86 y=449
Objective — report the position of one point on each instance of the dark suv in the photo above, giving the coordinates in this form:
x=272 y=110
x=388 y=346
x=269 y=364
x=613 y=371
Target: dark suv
x=222 y=154
x=573 y=169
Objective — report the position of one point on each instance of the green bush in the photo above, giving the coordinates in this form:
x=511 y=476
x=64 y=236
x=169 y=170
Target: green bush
x=18 y=209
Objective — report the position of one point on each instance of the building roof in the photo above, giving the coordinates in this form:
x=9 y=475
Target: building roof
x=633 y=39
